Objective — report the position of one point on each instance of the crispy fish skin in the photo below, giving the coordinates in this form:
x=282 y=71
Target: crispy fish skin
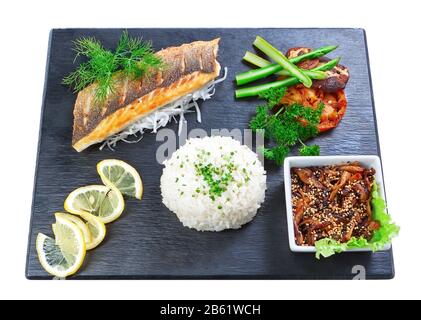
x=187 y=68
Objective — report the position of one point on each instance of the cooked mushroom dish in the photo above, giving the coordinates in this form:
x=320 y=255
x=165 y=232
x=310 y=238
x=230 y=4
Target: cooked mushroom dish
x=332 y=202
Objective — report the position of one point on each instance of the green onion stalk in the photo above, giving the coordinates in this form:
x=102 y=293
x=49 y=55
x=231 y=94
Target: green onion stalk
x=280 y=59
x=266 y=68
x=256 y=90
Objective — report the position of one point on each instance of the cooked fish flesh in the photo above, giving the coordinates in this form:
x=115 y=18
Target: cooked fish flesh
x=187 y=68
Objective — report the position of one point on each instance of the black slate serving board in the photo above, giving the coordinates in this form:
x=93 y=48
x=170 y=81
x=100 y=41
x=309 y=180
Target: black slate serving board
x=148 y=242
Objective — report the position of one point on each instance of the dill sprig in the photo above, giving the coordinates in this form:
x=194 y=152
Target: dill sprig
x=133 y=57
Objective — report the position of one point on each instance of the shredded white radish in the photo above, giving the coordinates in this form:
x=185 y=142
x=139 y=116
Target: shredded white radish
x=164 y=115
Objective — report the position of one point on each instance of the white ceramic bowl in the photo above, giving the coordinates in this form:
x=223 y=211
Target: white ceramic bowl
x=293 y=162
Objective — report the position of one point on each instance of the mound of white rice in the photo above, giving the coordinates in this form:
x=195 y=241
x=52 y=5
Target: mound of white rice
x=213 y=183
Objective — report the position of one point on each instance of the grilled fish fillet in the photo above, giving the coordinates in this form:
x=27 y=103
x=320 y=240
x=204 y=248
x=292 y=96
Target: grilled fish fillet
x=187 y=68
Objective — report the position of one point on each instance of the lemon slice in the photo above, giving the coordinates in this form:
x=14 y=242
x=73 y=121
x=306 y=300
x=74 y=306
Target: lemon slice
x=121 y=175
x=64 y=256
x=96 y=228
x=106 y=203
x=81 y=224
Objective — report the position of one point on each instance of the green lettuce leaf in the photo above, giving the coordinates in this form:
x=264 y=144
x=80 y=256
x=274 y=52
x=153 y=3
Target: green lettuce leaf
x=328 y=247
x=381 y=237
x=388 y=229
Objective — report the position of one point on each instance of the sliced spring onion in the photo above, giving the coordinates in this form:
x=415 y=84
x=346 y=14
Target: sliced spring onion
x=256 y=90
x=258 y=61
x=279 y=58
x=267 y=68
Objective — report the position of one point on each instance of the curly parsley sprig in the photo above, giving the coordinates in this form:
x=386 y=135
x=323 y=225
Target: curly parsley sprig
x=132 y=57
x=287 y=127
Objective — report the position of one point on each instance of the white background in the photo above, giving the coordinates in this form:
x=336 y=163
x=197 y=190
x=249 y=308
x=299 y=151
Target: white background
x=393 y=29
